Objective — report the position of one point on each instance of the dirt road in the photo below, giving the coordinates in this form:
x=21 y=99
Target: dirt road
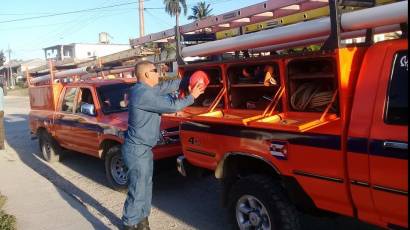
x=178 y=202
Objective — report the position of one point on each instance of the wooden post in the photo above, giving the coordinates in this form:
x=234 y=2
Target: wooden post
x=51 y=66
x=28 y=77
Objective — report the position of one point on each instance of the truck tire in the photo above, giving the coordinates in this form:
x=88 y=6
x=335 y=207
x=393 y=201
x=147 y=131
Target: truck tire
x=115 y=170
x=50 y=149
x=257 y=202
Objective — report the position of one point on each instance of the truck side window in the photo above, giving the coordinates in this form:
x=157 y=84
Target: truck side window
x=85 y=97
x=68 y=102
x=397 y=106
x=114 y=98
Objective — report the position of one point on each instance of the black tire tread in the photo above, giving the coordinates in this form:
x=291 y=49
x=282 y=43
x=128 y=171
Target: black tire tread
x=271 y=193
x=111 y=151
x=56 y=149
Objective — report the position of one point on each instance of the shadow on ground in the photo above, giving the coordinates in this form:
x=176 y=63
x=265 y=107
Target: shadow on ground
x=29 y=155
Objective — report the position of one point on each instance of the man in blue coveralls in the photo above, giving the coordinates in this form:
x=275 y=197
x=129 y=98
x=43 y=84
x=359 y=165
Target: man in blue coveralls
x=147 y=101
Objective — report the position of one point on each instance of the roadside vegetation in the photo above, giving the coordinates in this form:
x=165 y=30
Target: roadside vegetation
x=7 y=222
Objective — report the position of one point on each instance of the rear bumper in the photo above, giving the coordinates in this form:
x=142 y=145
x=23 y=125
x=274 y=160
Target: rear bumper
x=182 y=165
x=186 y=169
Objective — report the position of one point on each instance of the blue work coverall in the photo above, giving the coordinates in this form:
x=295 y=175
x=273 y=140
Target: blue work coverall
x=145 y=108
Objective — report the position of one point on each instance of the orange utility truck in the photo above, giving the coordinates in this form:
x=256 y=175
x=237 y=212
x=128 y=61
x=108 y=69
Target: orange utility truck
x=84 y=111
x=309 y=131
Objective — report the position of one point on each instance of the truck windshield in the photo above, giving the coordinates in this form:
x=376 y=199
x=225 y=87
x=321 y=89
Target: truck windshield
x=114 y=98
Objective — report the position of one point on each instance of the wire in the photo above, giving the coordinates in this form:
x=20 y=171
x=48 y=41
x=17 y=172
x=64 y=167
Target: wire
x=69 y=12
x=159 y=19
x=190 y=5
x=55 y=36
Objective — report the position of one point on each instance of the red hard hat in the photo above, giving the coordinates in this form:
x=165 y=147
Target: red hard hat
x=199 y=76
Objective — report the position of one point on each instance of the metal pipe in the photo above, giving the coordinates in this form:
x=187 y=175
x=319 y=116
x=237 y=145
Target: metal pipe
x=389 y=14
x=122 y=70
x=394 y=13
x=61 y=74
x=311 y=41
x=115 y=70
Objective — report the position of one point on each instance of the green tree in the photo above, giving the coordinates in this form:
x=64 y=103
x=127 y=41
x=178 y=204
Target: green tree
x=174 y=8
x=200 y=11
x=169 y=49
x=2 y=58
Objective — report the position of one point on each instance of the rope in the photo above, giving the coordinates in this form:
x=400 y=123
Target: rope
x=311 y=97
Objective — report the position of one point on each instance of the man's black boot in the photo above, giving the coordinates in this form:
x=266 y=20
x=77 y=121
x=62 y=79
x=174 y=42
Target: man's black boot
x=144 y=224
x=133 y=227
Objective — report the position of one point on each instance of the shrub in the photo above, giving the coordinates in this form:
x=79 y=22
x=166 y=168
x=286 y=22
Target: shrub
x=7 y=222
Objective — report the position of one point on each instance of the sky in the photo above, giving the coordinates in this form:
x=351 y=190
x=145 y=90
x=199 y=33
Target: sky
x=27 y=37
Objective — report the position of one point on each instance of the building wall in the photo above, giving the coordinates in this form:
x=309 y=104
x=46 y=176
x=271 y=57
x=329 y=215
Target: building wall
x=85 y=51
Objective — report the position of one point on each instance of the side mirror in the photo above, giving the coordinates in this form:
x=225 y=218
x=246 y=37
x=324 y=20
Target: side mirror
x=88 y=109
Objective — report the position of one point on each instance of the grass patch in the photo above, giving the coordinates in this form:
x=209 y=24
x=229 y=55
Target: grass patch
x=7 y=222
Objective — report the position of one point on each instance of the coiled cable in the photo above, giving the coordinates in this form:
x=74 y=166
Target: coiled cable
x=311 y=96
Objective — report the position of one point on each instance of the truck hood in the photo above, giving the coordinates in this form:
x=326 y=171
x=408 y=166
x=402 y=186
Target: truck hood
x=119 y=120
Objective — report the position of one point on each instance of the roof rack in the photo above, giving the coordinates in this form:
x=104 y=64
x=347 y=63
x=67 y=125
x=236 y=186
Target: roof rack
x=265 y=15
x=75 y=74
x=262 y=25
x=390 y=14
x=245 y=16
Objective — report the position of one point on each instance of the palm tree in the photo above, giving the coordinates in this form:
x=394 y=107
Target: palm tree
x=200 y=11
x=173 y=8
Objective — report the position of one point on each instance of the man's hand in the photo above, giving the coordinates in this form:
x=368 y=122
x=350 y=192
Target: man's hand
x=197 y=90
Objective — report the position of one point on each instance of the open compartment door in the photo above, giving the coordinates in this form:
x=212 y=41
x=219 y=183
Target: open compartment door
x=311 y=95
x=253 y=91
x=211 y=101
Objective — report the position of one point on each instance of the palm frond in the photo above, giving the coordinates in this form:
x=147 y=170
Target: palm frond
x=200 y=11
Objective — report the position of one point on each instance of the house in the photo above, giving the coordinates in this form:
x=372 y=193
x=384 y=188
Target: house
x=18 y=70
x=75 y=52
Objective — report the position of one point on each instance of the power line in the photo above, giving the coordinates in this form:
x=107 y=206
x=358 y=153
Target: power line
x=69 y=12
x=159 y=19
x=67 y=28
x=190 y=5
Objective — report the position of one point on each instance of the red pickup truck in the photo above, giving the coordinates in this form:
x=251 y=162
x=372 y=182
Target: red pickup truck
x=90 y=117
x=331 y=135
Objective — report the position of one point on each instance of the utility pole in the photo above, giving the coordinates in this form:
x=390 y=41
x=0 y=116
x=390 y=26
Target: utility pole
x=141 y=13
x=10 y=74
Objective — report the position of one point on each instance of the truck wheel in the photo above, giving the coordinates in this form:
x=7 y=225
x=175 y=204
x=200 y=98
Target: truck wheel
x=115 y=169
x=257 y=203
x=49 y=147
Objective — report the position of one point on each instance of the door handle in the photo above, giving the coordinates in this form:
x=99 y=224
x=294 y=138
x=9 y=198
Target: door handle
x=80 y=120
x=395 y=145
